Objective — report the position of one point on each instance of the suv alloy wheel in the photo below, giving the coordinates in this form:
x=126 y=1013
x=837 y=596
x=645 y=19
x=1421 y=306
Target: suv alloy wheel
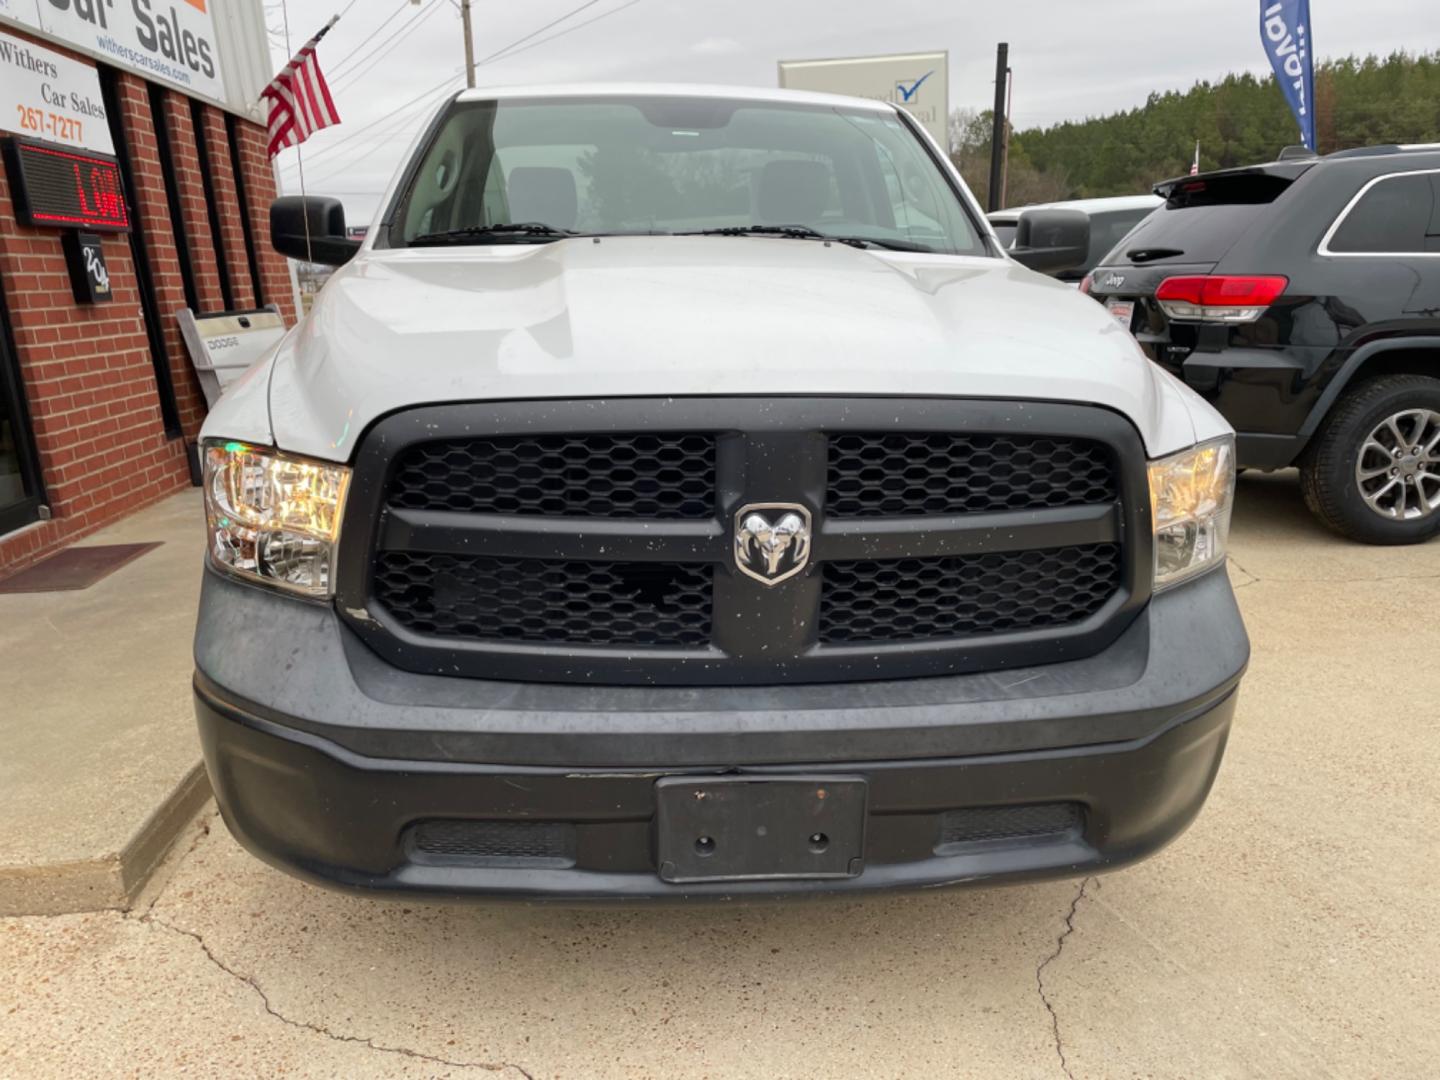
x=1373 y=472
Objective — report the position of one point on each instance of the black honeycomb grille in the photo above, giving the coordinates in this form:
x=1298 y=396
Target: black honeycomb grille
x=919 y=599
x=898 y=474
x=977 y=824
x=563 y=602
x=665 y=476
x=550 y=842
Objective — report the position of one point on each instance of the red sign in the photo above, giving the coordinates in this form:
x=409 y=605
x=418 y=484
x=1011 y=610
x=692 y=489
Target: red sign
x=65 y=188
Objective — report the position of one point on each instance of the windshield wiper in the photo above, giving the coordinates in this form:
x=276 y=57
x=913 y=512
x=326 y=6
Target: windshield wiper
x=1143 y=255
x=798 y=232
x=520 y=232
x=805 y=232
x=890 y=245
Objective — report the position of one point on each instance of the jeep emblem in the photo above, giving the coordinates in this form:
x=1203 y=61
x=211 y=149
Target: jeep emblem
x=772 y=541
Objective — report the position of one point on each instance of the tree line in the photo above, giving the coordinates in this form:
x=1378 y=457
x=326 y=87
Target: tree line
x=1240 y=120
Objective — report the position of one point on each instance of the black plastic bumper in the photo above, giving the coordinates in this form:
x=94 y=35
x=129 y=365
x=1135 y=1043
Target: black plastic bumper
x=324 y=759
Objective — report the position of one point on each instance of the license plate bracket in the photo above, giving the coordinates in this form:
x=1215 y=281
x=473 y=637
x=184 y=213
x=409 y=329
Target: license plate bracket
x=747 y=828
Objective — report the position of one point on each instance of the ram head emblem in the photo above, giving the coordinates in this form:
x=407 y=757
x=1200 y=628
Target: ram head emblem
x=772 y=541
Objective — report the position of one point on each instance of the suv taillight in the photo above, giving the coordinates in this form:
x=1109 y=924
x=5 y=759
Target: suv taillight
x=1224 y=298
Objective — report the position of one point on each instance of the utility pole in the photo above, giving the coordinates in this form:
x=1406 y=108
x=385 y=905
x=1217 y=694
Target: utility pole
x=469 y=44
x=1005 y=160
x=997 y=134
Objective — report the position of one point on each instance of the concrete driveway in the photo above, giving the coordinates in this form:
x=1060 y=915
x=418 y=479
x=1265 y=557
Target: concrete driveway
x=1291 y=932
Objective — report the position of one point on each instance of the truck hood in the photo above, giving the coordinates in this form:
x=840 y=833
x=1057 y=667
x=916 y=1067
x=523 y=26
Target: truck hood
x=687 y=316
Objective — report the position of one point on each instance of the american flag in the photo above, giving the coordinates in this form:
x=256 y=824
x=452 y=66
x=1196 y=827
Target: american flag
x=300 y=102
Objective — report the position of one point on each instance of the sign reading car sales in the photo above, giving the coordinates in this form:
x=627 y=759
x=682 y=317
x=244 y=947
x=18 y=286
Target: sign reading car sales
x=169 y=40
x=50 y=96
x=918 y=82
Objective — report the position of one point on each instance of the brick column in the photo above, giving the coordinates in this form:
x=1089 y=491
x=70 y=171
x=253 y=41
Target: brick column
x=185 y=167
x=227 y=206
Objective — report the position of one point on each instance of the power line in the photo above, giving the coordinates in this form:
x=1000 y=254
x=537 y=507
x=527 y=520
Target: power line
x=512 y=51
x=385 y=46
x=401 y=119
x=371 y=36
x=330 y=149
x=374 y=55
x=284 y=33
x=504 y=53
x=536 y=33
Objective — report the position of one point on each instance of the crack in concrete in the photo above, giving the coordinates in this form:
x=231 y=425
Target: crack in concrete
x=1040 y=976
x=1252 y=578
x=1255 y=579
x=150 y=918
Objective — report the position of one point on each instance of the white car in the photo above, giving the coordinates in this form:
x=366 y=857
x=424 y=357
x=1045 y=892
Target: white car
x=680 y=494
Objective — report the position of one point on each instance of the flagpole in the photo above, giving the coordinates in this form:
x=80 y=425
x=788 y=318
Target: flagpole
x=299 y=153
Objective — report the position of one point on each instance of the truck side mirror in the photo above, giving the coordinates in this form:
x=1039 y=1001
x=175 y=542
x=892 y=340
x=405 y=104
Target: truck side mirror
x=326 y=242
x=1052 y=241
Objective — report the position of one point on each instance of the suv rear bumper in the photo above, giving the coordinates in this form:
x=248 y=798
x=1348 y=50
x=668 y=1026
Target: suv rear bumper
x=324 y=759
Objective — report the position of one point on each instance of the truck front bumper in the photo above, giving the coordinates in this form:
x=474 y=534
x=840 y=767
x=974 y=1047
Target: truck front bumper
x=335 y=766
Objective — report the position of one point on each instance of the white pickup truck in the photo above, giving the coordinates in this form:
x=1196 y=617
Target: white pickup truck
x=679 y=493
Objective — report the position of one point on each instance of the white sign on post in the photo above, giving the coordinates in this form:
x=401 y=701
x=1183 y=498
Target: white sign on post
x=49 y=96
x=918 y=82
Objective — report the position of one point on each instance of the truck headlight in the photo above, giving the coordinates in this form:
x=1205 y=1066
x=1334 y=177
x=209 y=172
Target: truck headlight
x=273 y=518
x=1191 y=494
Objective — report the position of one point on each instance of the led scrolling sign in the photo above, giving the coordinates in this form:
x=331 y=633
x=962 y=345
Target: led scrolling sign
x=63 y=188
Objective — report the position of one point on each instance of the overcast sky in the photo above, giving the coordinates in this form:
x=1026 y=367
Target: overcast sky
x=1071 y=60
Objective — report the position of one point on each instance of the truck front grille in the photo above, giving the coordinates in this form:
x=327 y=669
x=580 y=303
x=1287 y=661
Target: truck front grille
x=575 y=603
x=596 y=541
x=920 y=599
x=663 y=475
x=903 y=473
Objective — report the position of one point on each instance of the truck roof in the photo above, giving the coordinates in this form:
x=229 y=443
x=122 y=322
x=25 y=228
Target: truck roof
x=1089 y=206
x=671 y=90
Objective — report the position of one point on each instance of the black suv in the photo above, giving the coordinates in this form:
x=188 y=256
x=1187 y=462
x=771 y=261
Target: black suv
x=1302 y=299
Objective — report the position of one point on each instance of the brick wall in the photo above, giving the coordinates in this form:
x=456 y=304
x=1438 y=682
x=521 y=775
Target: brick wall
x=87 y=369
x=90 y=386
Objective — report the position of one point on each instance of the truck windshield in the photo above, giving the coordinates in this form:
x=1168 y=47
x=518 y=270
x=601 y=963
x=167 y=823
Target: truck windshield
x=629 y=165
